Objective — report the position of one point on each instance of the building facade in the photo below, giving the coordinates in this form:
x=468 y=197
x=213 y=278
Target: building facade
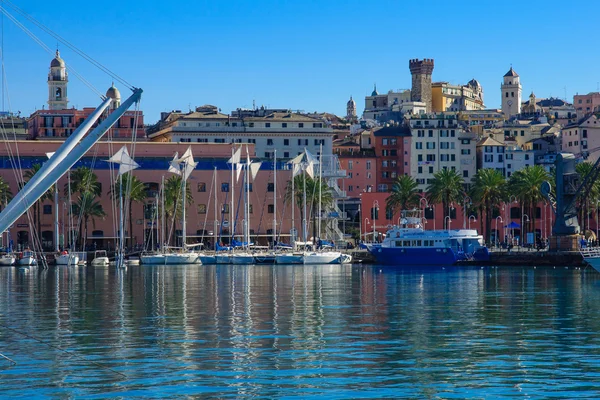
x=392 y=149
x=511 y=94
x=586 y=104
x=447 y=97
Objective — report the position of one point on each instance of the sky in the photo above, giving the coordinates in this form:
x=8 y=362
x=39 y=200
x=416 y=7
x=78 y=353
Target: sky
x=301 y=55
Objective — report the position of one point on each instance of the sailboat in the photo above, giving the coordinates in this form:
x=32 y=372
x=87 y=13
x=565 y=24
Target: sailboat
x=183 y=167
x=65 y=257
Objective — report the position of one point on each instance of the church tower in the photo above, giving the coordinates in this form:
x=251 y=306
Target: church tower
x=421 y=71
x=511 y=94
x=351 y=110
x=57 y=84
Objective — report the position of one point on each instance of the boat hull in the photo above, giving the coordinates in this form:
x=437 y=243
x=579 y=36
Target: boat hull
x=264 y=259
x=100 y=262
x=242 y=259
x=29 y=260
x=153 y=259
x=207 y=259
x=67 y=259
x=223 y=258
x=287 y=259
x=329 y=257
x=417 y=256
x=182 y=258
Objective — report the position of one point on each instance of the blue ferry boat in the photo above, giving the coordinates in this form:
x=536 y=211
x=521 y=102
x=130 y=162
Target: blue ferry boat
x=410 y=244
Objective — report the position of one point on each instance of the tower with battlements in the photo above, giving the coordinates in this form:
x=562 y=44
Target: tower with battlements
x=421 y=71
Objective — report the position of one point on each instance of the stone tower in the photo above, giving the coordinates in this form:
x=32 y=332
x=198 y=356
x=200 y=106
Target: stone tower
x=421 y=81
x=351 y=110
x=57 y=84
x=511 y=94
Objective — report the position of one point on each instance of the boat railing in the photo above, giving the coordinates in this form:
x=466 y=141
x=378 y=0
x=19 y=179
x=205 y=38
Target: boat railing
x=590 y=252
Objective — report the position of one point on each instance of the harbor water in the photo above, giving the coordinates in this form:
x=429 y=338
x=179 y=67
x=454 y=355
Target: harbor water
x=332 y=331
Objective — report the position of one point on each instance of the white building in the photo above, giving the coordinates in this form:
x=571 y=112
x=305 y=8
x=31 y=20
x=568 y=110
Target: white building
x=439 y=142
x=502 y=156
x=282 y=130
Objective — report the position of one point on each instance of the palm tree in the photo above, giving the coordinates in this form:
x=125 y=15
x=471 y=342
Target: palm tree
x=312 y=196
x=87 y=208
x=446 y=187
x=172 y=204
x=488 y=190
x=83 y=180
x=36 y=206
x=526 y=184
x=404 y=194
x=5 y=192
x=136 y=193
x=583 y=169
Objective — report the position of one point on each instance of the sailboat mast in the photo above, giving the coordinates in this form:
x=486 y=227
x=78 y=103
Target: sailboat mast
x=247 y=200
x=320 y=186
x=162 y=228
x=215 y=222
x=293 y=204
x=231 y=221
x=183 y=233
x=120 y=250
x=304 y=220
x=70 y=211
x=56 y=233
x=274 y=197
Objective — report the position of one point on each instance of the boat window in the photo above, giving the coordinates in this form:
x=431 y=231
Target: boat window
x=406 y=243
x=418 y=243
x=398 y=243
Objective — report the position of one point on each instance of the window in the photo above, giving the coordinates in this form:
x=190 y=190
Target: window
x=252 y=141
x=318 y=125
x=267 y=125
x=465 y=151
x=374 y=213
x=465 y=173
x=250 y=208
x=269 y=142
x=225 y=209
x=430 y=133
x=350 y=164
x=419 y=146
x=431 y=170
x=225 y=187
x=270 y=208
x=47 y=209
x=368 y=164
x=384 y=142
x=286 y=154
x=284 y=124
x=393 y=153
x=430 y=157
x=349 y=174
x=270 y=187
x=201 y=208
x=286 y=142
x=384 y=164
x=300 y=125
x=201 y=186
x=419 y=157
x=200 y=140
x=249 y=187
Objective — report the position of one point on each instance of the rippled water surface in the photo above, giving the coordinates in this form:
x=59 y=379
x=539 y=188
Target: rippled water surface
x=300 y=332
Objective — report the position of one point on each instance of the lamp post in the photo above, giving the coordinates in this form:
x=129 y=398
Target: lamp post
x=523 y=227
x=465 y=211
x=359 y=225
x=450 y=208
x=474 y=220
x=421 y=200
x=496 y=234
x=375 y=208
x=449 y=221
x=366 y=222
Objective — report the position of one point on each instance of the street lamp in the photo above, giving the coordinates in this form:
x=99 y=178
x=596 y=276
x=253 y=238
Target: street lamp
x=449 y=221
x=426 y=205
x=375 y=208
x=465 y=211
x=359 y=224
x=497 y=233
x=523 y=227
x=474 y=220
x=366 y=222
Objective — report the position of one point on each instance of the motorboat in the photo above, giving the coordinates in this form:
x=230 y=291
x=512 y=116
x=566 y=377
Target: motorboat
x=66 y=258
x=346 y=259
x=410 y=244
x=27 y=258
x=322 y=257
x=100 y=259
x=133 y=261
x=591 y=255
x=7 y=260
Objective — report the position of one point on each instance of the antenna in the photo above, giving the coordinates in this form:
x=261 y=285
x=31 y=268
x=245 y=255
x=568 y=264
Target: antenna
x=253 y=105
x=2 y=50
x=565 y=93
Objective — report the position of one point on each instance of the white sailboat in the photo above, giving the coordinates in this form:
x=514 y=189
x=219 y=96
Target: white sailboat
x=66 y=257
x=27 y=258
x=6 y=260
x=205 y=258
x=183 y=167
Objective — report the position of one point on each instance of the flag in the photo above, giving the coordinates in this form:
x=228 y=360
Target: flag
x=235 y=158
x=254 y=167
x=126 y=163
x=309 y=168
x=174 y=165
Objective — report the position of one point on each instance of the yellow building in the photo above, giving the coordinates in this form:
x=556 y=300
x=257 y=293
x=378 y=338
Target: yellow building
x=454 y=98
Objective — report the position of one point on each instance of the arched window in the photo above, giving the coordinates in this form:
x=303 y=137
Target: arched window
x=58 y=93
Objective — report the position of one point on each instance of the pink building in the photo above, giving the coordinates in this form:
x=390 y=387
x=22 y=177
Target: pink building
x=153 y=159
x=586 y=103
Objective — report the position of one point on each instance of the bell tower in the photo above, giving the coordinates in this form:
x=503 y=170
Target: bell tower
x=351 y=110
x=511 y=94
x=57 y=84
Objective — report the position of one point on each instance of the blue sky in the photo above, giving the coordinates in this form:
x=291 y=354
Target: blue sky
x=307 y=55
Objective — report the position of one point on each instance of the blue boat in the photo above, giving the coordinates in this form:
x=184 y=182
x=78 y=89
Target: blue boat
x=410 y=244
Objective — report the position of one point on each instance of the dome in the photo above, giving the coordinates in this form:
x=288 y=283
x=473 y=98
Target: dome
x=113 y=92
x=474 y=83
x=351 y=102
x=57 y=61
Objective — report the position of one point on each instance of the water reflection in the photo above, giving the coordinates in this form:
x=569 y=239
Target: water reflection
x=272 y=331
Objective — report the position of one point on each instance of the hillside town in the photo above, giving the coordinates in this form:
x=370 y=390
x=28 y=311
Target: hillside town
x=426 y=147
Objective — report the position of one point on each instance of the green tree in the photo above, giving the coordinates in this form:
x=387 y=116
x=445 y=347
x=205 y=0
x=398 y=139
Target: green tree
x=312 y=197
x=134 y=191
x=83 y=180
x=37 y=205
x=487 y=191
x=446 y=187
x=87 y=207
x=404 y=194
x=526 y=184
x=173 y=208
x=590 y=201
x=5 y=193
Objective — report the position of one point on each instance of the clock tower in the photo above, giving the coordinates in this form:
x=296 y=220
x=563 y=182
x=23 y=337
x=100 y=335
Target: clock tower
x=511 y=94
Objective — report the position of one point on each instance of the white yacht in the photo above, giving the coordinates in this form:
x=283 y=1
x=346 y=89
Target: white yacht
x=100 y=259
x=7 y=260
x=66 y=258
x=290 y=258
x=27 y=258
